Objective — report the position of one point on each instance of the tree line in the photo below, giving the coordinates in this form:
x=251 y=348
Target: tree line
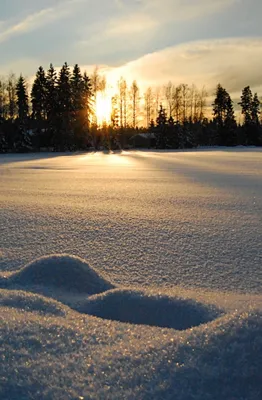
x=60 y=114
x=188 y=131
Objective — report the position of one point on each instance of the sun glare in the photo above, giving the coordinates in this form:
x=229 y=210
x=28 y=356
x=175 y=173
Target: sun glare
x=103 y=108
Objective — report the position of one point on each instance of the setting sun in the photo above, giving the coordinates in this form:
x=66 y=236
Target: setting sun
x=103 y=108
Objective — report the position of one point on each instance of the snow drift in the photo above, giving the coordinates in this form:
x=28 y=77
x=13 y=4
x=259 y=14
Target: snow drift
x=72 y=358
x=60 y=271
x=29 y=302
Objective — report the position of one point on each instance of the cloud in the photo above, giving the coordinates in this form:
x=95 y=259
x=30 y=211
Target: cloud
x=36 y=20
x=130 y=25
x=135 y=27
x=171 y=10
x=181 y=10
x=234 y=62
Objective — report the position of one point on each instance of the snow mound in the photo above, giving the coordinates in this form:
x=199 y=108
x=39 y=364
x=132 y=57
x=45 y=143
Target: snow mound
x=31 y=303
x=138 y=307
x=61 y=271
x=94 y=359
x=220 y=360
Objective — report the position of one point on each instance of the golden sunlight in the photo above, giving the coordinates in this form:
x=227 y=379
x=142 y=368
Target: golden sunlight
x=103 y=108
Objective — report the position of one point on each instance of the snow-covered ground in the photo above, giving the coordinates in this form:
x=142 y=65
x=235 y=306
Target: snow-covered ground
x=165 y=301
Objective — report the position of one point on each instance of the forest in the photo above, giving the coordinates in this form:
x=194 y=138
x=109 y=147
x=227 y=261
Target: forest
x=61 y=111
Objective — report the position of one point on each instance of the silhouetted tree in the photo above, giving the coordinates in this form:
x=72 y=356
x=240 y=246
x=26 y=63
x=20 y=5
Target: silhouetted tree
x=161 y=129
x=255 y=110
x=77 y=93
x=23 y=140
x=64 y=102
x=246 y=104
x=250 y=106
x=38 y=96
x=51 y=107
x=224 y=118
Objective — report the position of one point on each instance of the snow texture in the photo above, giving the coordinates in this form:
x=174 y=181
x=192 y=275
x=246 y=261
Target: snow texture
x=137 y=307
x=162 y=296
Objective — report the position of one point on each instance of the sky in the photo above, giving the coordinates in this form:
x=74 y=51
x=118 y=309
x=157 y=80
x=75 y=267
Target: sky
x=153 y=41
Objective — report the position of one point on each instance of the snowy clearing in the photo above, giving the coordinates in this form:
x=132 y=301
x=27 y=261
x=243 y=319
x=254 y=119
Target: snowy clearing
x=170 y=245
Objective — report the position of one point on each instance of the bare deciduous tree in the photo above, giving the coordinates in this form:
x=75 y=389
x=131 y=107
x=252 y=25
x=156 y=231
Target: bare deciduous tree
x=134 y=94
x=148 y=97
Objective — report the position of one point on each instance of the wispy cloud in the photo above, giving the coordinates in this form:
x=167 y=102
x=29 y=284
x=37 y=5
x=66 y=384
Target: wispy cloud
x=233 y=62
x=138 y=23
x=180 y=10
x=36 y=20
x=130 y=25
x=168 y=10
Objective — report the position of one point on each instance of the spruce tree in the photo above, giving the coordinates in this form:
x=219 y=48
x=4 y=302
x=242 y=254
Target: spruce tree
x=38 y=96
x=246 y=105
x=51 y=107
x=230 y=125
x=64 y=133
x=256 y=126
x=255 y=109
x=77 y=92
x=23 y=138
x=39 y=112
x=224 y=118
x=161 y=129
x=22 y=99
x=251 y=109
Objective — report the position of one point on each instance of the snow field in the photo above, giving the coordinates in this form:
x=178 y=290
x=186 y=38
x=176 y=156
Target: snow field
x=162 y=298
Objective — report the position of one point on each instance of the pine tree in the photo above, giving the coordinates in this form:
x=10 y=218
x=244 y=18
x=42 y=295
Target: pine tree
x=161 y=129
x=256 y=126
x=39 y=112
x=51 y=106
x=251 y=109
x=255 y=110
x=64 y=133
x=77 y=92
x=246 y=105
x=38 y=96
x=22 y=99
x=77 y=85
x=219 y=106
x=230 y=125
x=23 y=138
x=224 y=118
